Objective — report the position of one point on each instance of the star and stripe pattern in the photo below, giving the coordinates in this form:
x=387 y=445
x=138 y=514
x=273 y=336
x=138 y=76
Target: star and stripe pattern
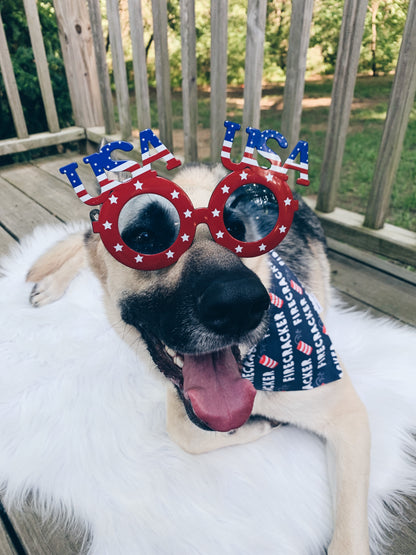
x=115 y=192
x=258 y=141
x=246 y=175
x=101 y=163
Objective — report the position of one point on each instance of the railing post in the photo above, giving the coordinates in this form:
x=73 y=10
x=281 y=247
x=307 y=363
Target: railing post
x=189 y=83
x=119 y=68
x=400 y=105
x=80 y=67
x=219 y=43
x=11 y=86
x=256 y=25
x=41 y=62
x=141 y=85
x=164 y=97
x=102 y=68
x=300 y=25
x=341 y=99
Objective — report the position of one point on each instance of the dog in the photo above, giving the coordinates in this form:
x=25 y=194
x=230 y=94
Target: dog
x=208 y=310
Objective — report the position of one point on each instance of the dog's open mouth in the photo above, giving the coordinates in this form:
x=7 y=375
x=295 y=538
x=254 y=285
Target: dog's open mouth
x=219 y=396
x=210 y=384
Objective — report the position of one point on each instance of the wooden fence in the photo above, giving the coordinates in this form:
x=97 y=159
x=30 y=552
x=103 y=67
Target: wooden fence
x=84 y=53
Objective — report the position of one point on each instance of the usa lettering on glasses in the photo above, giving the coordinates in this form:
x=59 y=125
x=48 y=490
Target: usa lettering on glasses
x=250 y=211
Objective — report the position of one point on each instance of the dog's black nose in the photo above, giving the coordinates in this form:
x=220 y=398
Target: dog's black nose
x=233 y=305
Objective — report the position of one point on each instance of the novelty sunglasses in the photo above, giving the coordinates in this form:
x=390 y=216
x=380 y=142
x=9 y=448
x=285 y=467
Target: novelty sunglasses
x=147 y=222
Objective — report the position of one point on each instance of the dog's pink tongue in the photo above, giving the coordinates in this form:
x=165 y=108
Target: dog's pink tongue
x=220 y=397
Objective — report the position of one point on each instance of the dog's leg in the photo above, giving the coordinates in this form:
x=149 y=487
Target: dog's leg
x=53 y=271
x=334 y=412
x=196 y=441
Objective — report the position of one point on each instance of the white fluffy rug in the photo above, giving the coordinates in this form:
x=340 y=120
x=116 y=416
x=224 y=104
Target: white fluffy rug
x=82 y=422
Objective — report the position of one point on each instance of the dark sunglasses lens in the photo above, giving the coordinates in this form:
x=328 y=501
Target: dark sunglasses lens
x=251 y=212
x=149 y=224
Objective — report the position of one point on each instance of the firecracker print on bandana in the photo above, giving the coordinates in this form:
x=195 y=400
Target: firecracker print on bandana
x=296 y=352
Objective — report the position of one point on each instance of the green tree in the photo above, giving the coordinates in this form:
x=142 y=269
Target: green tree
x=277 y=39
x=382 y=33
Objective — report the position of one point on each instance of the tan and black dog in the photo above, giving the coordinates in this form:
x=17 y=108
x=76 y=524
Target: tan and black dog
x=200 y=314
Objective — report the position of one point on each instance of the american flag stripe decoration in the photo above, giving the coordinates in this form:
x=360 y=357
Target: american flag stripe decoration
x=161 y=152
x=82 y=193
x=304 y=348
x=277 y=301
x=296 y=287
x=75 y=181
x=129 y=166
x=300 y=149
x=302 y=169
x=226 y=149
x=248 y=157
x=268 y=362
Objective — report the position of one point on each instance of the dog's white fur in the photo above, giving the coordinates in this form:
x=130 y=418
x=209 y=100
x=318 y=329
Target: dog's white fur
x=334 y=411
x=82 y=425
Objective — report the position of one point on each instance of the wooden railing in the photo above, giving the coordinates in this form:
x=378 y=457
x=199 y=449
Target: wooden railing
x=84 y=53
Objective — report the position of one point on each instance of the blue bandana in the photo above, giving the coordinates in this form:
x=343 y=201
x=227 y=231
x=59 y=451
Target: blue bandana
x=296 y=353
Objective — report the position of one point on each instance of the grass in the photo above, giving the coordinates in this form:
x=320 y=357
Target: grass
x=368 y=113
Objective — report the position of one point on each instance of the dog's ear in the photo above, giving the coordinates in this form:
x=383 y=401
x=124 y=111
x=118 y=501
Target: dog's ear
x=92 y=243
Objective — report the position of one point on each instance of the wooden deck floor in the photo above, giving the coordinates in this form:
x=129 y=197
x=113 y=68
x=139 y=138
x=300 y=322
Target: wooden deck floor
x=36 y=193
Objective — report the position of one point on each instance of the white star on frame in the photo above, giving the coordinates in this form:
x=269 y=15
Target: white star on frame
x=243 y=175
x=175 y=194
x=118 y=247
x=282 y=229
x=262 y=247
x=185 y=237
x=220 y=235
x=239 y=248
x=287 y=201
x=113 y=199
x=107 y=225
x=225 y=189
x=139 y=258
x=216 y=213
x=187 y=214
x=170 y=254
x=138 y=185
x=269 y=177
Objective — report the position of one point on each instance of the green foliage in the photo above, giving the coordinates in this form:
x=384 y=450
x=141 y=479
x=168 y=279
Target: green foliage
x=325 y=30
x=276 y=40
x=382 y=35
x=383 y=30
x=275 y=49
x=390 y=18
x=18 y=39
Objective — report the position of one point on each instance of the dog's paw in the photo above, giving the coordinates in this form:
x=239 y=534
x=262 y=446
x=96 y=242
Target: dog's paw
x=46 y=291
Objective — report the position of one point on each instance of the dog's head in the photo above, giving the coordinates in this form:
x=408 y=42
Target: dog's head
x=196 y=315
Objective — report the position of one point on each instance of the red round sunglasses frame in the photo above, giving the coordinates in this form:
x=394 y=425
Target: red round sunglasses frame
x=190 y=217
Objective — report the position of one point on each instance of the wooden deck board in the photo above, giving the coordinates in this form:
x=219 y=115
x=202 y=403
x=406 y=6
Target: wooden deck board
x=385 y=293
x=43 y=538
x=6 y=241
x=46 y=190
x=6 y=546
x=36 y=193
x=18 y=213
x=52 y=164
